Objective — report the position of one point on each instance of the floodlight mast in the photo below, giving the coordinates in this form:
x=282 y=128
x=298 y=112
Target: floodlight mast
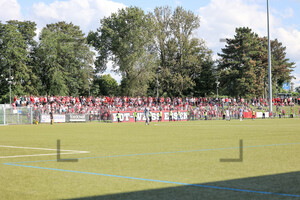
x=269 y=61
x=217 y=83
x=9 y=85
x=89 y=83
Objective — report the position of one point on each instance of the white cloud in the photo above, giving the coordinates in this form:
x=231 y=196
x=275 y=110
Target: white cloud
x=178 y=3
x=298 y=1
x=220 y=18
x=291 y=39
x=10 y=10
x=297 y=80
x=287 y=13
x=85 y=13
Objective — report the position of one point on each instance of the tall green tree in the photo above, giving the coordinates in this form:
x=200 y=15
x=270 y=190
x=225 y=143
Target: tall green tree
x=126 y=39
x=243 y=65
x=181 y=54
x=281 y=65
x=297 y=89
x=105 y=85
x=205 y=80
x=64 y=59
x=16 y=44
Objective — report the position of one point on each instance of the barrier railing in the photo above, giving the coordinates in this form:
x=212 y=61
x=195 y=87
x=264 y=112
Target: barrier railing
x=27 y=115
x=10 y=115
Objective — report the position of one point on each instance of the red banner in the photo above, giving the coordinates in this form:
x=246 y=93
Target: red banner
x=128 y=116
x=248 y=115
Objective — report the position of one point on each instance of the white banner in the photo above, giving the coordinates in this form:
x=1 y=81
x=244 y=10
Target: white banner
x=128 y=116
x=77 y=118
x=56 y=118
x=260 y=115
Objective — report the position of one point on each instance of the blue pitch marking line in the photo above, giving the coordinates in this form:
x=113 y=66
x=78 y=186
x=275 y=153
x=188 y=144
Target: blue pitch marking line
x=171 y=152
x=160 y=181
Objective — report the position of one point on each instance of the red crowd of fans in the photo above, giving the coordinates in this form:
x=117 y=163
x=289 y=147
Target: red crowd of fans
x=94 y=105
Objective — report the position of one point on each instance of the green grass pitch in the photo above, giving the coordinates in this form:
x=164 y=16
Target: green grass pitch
x=170 y=160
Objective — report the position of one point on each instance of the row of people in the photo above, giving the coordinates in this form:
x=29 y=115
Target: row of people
x=139 y=101
x=101 y=107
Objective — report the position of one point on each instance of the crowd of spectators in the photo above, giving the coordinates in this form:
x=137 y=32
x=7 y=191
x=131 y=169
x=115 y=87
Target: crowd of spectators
x=103 y=105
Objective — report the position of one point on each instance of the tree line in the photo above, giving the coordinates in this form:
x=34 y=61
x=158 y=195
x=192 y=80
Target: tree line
x=155 y=53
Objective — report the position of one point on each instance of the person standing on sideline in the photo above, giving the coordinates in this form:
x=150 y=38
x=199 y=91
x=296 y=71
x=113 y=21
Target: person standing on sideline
x=51 y=117
x=264 y=115
x=170 y=115
x=241 y=114
x=178 y=115
x=150 y=116
x=253 y=114
x=146 y=113
x=118 y=116
x=227 y=115
x=159 y=116
x=279 y=113
x=135 y=115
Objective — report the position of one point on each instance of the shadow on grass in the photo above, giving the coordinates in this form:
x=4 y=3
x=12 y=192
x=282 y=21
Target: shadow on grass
x=287 y=183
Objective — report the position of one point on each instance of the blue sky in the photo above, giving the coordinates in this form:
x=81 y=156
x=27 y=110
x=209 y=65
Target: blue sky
x=219 y=18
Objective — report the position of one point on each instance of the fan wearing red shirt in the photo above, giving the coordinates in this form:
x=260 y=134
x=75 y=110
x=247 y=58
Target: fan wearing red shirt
x=32 y=99
x=42 y=100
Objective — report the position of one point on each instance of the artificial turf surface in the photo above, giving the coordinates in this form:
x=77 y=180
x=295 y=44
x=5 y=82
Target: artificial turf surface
x=170 y=160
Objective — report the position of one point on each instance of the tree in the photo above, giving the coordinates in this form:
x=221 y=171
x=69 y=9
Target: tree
x=16 y=44
x=125 y=38
x=64 y=59
x=281 y=67
x=107 y=85
x=242 y=66
x=205 y=80
x=297 y=89
x=181 y=55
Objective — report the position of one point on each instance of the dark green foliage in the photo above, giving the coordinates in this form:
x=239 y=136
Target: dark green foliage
x=105 y=85
x=243 y=66
x=150 y=51
x=126 y=39
x=16 y=44
x=205 y=81
x=281 y=66
x=238 y=64
x=64 y=60
x=297 y=89
x=181 y=55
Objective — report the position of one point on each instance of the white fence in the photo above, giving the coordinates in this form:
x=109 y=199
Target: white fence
x=10 y=115
x=27 y=115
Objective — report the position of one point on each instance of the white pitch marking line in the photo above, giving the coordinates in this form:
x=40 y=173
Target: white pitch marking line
x=32 y=155
x=46 y=149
